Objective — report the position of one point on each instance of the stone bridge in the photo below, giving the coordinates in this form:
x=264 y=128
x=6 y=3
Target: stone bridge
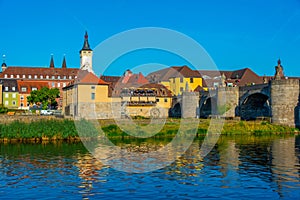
x=278 y=100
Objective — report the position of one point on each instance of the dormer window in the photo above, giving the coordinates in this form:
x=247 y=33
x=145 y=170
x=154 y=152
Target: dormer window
x=53 y=77
x=58 y=77
x=11 y=76
x=41 y=77
x=29 y=76
x=65 y=77
x=5 y=75
x=24 y=76
x=47 y=77
x=70 y=77
x=23 y=89
x=18 y=76
x=35 y=76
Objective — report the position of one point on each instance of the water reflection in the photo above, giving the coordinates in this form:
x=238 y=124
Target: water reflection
x=237 y=167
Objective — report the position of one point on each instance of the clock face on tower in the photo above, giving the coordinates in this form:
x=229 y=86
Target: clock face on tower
x=86 y=62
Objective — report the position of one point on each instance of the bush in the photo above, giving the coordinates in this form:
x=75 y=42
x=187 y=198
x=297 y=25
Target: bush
x=3 y=109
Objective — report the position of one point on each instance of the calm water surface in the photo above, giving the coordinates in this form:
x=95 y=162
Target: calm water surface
x=244 y=168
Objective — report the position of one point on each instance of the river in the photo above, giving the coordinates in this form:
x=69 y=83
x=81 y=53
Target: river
x=238 y=167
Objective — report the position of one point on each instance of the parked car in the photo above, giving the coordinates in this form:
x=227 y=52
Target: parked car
x=46 y=112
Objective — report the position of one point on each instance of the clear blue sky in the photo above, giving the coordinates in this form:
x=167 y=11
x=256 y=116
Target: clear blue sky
x=236 y=34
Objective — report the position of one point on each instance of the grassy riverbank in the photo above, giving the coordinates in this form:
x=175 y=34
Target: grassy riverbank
x=53 y=129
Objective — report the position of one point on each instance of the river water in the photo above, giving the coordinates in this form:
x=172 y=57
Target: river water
x=238 y=167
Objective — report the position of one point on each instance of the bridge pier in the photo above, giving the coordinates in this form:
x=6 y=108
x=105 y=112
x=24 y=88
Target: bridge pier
x=190 y=105
x=284 y=102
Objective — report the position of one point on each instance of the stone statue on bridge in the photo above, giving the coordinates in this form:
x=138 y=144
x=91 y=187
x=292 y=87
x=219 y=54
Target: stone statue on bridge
x=279 y=71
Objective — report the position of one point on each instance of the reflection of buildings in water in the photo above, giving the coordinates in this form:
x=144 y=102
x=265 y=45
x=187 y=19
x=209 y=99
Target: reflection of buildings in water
x=88 y=166
x=229 y=157
x=284 y=161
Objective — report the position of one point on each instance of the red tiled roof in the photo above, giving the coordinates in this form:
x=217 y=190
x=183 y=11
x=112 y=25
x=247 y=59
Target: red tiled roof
x=85 y=77
x=171 y=72
x=11 y=70
x=138 y=79
x=31 y=84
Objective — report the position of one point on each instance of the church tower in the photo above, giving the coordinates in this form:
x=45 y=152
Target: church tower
x=86 y=55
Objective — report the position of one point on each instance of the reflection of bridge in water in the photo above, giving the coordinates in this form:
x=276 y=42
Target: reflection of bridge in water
x=278 y=100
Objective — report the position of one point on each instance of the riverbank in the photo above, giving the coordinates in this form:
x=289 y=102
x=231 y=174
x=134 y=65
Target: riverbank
x=52 y=129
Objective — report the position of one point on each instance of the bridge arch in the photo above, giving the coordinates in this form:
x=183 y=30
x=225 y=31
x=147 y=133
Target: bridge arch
x=254 y=105
x=208 y=107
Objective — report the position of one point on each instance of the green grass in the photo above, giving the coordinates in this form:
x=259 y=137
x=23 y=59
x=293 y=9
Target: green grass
x=68 y=130
x=50 y=129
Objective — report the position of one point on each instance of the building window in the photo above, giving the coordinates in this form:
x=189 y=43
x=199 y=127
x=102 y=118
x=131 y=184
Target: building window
x=23 y=76
x=58 y=77
x=216 y=84
x=181 y=89
x=6 y=95
x=23 y=89
x=65 y=77
x=22 y=97
x=70 y=77
x=29 y=76
x=13 y=88
x=157 y=100
x=166 y=100
x=64 y=84
x=27 y=104
x=75 y=77
x=47 y=77
x=22 y=104
x=5 y=75
x=14 y=103
x=191 y=80
x=18 y=76
x=11 y=76
x=14 y=95
x=181 y=79
x=6 y=102
x=93 y=96
x=6 y=88
x=53 y=77
x=53 y=84
x=58 y=84
x=41 y=77
x=35 y=76
x=93 y=87
x=33 y=88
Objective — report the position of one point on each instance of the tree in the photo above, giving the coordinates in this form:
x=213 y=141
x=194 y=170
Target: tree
x=44 y=97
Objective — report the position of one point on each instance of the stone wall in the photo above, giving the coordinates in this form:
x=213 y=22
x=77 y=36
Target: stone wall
x=284 y=101
x=5 y=119
x=190 y=105
x=228 y=100
x=103 y=110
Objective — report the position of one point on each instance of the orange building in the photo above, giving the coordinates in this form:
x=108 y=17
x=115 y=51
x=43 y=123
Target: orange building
x=25 y=87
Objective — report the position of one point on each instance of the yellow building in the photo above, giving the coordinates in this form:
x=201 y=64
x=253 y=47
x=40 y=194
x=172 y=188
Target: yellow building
x=149 y=100
x=87 y=97
x=177 y=79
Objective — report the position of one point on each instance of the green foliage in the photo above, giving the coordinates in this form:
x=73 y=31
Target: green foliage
x=59 y=129
x=3 y=109
x=44 y=96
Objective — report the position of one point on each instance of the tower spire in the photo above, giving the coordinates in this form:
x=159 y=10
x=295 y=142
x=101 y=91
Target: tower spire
x=86 y=45
x=64 y=64
x=51 y=62
x=4 y=66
